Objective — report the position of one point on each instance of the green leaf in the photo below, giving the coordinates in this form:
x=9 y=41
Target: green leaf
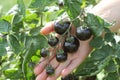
x=39 y=42
x=91 y=67
x=35 y=31
x=117 y=61
x=17 y=18
x=14 y=43
x=97 y=61
x=3 y=45
x=31 y=18
x=8 y=18
x=102 y=53
x=112 y=76
x=111 y=67
x=16 y=27
x=97 y=42
x=41 y=4
x=97 y=24
x=50 y=16
x=109 y=37
x=73 y=8
x=21 y=7
x=4 y=26
x=117 y=50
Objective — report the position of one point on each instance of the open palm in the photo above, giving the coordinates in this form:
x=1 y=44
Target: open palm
x=61 y=69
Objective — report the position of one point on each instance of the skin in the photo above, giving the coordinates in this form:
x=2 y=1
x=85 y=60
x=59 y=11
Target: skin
x=107 y=9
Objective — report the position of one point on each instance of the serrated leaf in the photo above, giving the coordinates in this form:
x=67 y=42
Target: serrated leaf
x=41 y=4
x=102 y=53
x=4 y=26
x=14 y=43
x=97 y=24
x=3 y=45
x=109 y=37
x=73 y=8
x=21 y=7
x=97 y=42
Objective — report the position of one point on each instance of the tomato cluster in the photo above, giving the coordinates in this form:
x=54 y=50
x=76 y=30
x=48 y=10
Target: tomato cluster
x=67 y=43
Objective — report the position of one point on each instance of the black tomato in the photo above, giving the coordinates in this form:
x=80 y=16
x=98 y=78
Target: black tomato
x=50 y=70
x=61 y=57
x=61 y=27
x=53 y=41
x=83 y=33
x=71 y=44
x=44 y=52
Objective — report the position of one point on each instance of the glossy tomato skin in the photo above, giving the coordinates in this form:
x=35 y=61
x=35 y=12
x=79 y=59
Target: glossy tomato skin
x=61 y=27
x=83 y=33
x=61 y=57
x=71 y=44
x=53 y=41
x=44 y=52
x=50 y=70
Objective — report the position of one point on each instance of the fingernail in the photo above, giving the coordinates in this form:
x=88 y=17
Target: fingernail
x=63 y=73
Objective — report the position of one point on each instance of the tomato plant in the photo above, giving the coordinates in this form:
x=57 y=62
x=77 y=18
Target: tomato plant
x=21 y=42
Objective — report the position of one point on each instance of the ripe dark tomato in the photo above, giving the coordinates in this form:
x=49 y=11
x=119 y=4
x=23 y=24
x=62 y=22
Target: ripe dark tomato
x=53 y=41
x=83 y=33
x=61 y=57
x=50 y=70
x=71 y=44
x=61 y=27
x=70 y=77
x=44 y=52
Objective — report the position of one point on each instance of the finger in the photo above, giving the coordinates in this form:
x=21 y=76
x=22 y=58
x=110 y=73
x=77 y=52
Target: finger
x=42 y=76
x=58 y=70
x=40 y=67
x=49 y=27
x=77 y=58
x=74 y=64
x=54 y=63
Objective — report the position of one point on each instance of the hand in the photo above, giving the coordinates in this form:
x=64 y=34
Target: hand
x=61 y=69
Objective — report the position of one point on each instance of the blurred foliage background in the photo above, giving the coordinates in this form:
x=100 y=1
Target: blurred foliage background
x=6 y=5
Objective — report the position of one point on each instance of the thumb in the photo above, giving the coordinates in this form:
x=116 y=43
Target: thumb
x=48 y=28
